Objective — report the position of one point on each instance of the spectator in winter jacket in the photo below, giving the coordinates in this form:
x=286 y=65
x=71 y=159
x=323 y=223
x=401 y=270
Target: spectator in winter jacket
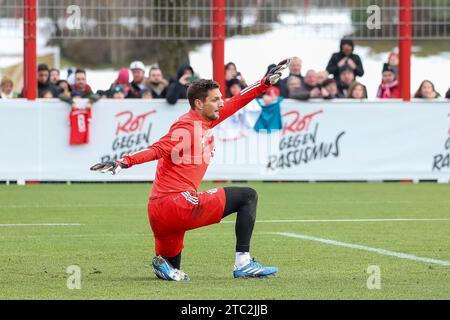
x=123 y=78
x=346 y=78
x=156 y=83
x=118 y=92
x=294 y=86
x=427 y=91
x=389 y=87
x=81 y=84
x=310 y=88
x=295 y=69
x=345 y=56
x=138 y=84
x=178 y=86
x=43 y=80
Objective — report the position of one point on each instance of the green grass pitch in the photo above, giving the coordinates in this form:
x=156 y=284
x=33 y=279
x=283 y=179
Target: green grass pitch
x=113 y=244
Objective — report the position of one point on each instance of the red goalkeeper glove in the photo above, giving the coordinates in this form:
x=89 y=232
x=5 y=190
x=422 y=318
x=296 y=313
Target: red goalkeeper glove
x=112 y=167
x=276 y=72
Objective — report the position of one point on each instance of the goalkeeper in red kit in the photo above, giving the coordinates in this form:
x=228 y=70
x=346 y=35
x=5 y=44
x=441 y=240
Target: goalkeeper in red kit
x=175 y=206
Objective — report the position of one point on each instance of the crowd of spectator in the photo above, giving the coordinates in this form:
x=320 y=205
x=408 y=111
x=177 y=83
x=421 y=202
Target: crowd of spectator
x=338 y=80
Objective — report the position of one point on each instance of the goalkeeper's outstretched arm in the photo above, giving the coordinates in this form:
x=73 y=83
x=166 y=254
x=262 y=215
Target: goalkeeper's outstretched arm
x=159 y=149
x=167 y=143
x=251 y=92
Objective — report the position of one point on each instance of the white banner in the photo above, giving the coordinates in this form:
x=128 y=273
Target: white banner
x=321 y=140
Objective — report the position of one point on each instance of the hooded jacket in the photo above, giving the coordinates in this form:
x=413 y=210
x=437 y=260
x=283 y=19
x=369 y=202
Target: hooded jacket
x=176 y=90
x=332 y=66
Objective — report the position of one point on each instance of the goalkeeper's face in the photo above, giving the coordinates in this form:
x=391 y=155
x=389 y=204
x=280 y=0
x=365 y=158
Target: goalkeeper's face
x=212 y=105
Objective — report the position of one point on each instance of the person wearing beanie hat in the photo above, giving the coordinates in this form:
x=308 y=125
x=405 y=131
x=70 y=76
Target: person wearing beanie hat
x=389 y=87
x=345 y=56
x=391 y=68
x=393 y=61
x=118 y=92
x=123 y=79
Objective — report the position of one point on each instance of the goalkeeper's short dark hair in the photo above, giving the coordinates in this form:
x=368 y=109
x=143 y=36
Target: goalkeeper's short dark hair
x=199 y=89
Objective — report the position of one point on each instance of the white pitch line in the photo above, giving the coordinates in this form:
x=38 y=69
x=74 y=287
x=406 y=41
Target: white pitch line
x=95 y=205
x=39 y=224
x=349 y=220
x=365 y=248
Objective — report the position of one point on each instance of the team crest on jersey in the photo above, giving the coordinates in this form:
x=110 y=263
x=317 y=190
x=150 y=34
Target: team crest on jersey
x=203 y=142
x=211 y=191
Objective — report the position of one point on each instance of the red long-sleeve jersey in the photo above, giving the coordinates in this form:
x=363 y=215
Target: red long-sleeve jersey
x=184 y=153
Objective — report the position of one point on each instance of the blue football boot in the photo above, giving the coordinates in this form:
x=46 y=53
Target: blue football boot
x=253 y=270
x=165 y=271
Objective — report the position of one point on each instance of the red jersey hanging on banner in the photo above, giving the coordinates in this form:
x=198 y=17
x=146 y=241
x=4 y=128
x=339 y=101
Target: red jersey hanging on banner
x=79 y=125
